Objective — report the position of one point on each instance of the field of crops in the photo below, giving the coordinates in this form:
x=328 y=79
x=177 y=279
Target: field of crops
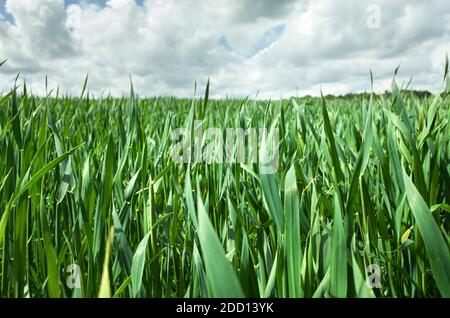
x=93 y=205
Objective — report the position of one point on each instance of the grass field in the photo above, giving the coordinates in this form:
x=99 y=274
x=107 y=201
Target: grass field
x=92 y=204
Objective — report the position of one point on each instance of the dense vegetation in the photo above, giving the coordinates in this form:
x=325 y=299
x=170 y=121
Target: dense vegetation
x=361 y=181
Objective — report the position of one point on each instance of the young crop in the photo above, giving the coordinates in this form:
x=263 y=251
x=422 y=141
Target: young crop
x=92 y=203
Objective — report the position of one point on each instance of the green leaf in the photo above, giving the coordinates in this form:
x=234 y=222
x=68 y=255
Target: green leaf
x=338 y=257
x=52 y=264
x=221 y=277
x=190 y=199
x=137 y=267
x=66 y=181
x=44 y=170
x=130 y=187
x=271 y=281
x=360 y=280
x=105 y=286
x=122 y=287
x=445 y=68
x=405 y=235
x=293 y=246
x=273 y=200
x=331 y=144
x=363 y=158
x=437 y=249
x=84 y=86
x=16 y=126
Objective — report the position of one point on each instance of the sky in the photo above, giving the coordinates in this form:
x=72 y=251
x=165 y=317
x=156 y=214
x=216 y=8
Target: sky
x=264 y=48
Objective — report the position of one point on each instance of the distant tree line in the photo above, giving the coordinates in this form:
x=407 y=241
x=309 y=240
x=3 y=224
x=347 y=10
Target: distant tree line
x=421 y=94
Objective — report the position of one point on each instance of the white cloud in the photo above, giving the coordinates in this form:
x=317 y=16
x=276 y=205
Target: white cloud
x=168 y=45
x=39 y=27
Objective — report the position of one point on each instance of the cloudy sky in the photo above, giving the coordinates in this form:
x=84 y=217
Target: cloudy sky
x=276 y=48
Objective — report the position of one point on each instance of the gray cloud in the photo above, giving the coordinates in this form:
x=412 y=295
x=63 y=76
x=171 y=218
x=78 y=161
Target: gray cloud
x=168 y=45
x=40 y=26
x=249 y=10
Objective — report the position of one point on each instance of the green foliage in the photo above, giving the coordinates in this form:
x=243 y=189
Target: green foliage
x=361 y=180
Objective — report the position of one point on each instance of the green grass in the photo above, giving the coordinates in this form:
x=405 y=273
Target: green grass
x=362 y=180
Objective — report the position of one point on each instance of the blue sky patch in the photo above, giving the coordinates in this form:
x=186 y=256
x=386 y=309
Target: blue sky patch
x=224 y=42
x=267 y=39
x=3 y=12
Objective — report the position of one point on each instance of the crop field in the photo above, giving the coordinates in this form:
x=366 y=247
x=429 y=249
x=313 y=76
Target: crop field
x=92 y=204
